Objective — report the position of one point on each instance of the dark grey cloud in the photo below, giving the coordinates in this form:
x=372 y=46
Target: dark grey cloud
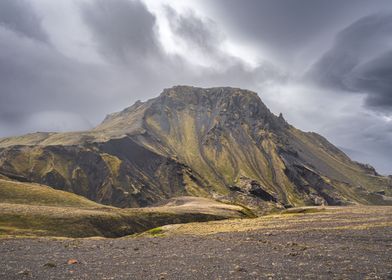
x=375 y=79
x=360 y=60
x=34 y=78
x=123 y=29
x=287 y=27
x=19 y=16
x=41 y=87
x=199 y=33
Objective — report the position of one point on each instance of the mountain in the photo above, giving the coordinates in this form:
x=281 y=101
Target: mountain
x=222 y=143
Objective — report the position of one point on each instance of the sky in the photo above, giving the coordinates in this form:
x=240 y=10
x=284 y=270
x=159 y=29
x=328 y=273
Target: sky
x=326 y=65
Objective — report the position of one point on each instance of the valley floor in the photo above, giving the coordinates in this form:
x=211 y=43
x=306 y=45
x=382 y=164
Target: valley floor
x=335 y=243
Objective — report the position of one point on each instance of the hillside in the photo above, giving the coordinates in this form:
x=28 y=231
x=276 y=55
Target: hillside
x=28 y=209
x=220 y=143
x=14 y=192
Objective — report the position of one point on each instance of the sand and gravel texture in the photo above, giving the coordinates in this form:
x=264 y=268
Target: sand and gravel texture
x=334 y=243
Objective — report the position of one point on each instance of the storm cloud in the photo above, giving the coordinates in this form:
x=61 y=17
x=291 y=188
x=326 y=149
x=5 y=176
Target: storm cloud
x=123 y=30
x=326 y=65
x=18 y=16
x=290 y=30
x=360 y=61
x=374 y=78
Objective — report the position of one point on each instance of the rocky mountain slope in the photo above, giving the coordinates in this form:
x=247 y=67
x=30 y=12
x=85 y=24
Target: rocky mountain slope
x=222 y=143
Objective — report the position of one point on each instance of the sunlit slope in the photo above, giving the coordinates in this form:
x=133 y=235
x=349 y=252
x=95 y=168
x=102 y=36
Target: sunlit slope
x=28 y=209
x=14 y=192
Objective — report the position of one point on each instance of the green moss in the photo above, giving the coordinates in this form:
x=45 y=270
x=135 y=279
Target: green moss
x=113 y=163
x=155 y=231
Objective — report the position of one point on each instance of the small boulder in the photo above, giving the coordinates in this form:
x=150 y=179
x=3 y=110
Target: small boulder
x=72 y=261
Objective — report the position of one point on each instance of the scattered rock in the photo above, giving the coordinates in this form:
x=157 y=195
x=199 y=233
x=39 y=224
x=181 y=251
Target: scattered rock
x=72 y=261
x=239 y=268
x=381 y=192
x=50 y=265
x=24 y=272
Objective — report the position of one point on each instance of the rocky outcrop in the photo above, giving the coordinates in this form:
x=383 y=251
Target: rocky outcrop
x=252 y=188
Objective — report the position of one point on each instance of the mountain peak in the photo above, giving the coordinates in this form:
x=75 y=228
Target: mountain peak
x=211 y=109
x=222 y=106
x=194 y=94
x=217 y=100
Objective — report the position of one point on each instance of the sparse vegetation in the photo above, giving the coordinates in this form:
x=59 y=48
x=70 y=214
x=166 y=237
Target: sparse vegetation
x=155 y=231
x=318 y=218
x=36 y=210
x=303 y=210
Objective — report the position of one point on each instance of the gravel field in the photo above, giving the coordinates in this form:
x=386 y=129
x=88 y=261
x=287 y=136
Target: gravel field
x=338 y=244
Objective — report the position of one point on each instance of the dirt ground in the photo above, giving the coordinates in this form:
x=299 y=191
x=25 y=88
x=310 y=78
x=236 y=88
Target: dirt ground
x=336 y=243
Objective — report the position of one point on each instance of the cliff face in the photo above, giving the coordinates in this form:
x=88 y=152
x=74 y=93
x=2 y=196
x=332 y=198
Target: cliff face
x=219 y=142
